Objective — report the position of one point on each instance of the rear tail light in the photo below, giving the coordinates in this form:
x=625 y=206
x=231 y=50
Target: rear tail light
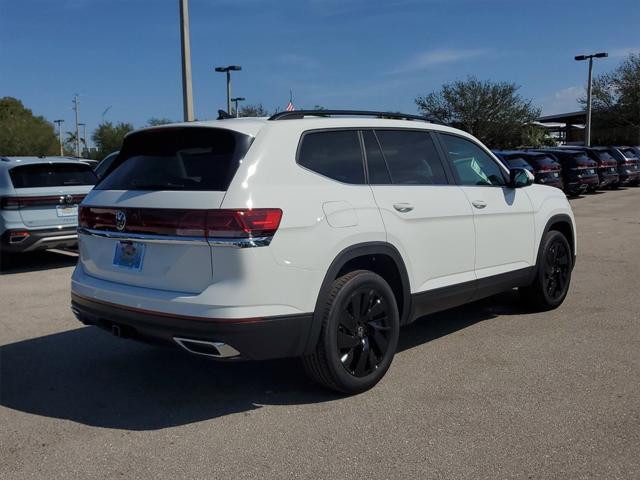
x=228 y=223
x=259 y=222
x=9 y=203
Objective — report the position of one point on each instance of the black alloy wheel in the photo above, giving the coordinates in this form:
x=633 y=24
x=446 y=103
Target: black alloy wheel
x=553 y=273
x=363 y=332
x=359 y=332
x=557 y=269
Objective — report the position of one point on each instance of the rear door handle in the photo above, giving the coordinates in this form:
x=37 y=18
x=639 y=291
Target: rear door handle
x=403 y=207
x=479 y=203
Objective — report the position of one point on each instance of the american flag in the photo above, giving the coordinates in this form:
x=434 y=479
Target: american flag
x=290 y=107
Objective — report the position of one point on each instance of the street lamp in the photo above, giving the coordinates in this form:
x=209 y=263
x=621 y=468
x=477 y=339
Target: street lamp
x=59 y=123
x=228 y=70
x=84 y=136
x=579 y=58
x=236 y=100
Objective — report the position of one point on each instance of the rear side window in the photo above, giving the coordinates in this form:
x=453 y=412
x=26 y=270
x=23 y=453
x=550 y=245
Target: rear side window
x=335 y=154
x=412 y=157
x=189 y=158
x=51 y=175
x=472 y=165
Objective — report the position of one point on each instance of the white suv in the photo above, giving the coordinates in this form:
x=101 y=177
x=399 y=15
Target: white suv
x=312 y=234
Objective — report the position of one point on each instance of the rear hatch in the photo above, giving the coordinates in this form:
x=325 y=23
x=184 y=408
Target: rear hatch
x=145 y=223
x=47 y=194
x=607 y=163
x=547 y=170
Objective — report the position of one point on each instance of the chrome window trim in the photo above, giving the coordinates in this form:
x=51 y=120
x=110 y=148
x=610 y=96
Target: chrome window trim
x=178 y=240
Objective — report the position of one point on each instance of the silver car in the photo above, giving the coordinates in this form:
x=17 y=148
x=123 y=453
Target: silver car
x=39 y=199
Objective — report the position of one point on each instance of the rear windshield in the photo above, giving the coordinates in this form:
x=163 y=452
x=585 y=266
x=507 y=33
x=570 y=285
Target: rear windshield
x=51 y=175
x=184 y=158
x=543 y=162
x=604 y=155
x=517 y=162
x=628 y=152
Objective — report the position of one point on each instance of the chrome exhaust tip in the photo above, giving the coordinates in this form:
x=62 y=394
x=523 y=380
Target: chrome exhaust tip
x=206 y=348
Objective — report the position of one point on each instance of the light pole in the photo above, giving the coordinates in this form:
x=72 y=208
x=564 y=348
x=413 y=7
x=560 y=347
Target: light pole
x=228 y=70
x=76 y=108
x=579 y=58
x=236 y=100
x=187 y=89
x=84 y=136
x=59 y=123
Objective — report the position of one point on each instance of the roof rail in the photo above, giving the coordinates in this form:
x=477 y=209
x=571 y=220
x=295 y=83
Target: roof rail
x=298 y=114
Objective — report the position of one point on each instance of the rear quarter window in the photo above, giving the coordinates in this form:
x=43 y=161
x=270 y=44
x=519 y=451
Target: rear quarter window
x=186 y=158
x=335 y=154
x=40 y=175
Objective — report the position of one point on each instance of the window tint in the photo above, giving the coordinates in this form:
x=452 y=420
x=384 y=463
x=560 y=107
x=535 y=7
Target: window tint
x=412 y=157
x=51 y=175
x=472 y=164
x=334 y=154
x=378 y=173
x=191 y=158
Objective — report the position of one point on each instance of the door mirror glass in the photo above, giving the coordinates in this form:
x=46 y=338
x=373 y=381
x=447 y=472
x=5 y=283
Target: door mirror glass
x=520 y=177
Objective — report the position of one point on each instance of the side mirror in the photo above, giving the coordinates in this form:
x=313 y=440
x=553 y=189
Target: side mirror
x=520 y=177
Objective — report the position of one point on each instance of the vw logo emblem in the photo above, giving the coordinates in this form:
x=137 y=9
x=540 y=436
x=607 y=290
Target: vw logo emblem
x=121 y=220
x=68 y=199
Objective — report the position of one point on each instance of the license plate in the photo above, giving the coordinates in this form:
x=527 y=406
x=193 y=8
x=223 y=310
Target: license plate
x=555 y=174
x=64 y=211
x=129 y=255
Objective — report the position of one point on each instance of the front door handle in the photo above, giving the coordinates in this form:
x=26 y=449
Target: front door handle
x=403 y=207
x=479 y=203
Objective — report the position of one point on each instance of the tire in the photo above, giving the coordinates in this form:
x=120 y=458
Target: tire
x=356 y=346
x=553 y=273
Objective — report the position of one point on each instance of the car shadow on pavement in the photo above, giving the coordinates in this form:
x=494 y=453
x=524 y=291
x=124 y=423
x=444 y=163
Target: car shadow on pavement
x=36 y=261
x=87 y=376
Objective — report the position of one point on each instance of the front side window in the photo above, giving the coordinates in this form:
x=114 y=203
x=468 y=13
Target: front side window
x=334 y=153
x=471 y=164
x=412 y=157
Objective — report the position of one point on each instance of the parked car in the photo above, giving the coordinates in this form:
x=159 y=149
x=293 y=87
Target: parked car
x=39 y=199
x=607 y=164
x=104 y=164
x=628 y=165
x=308 y=235
x=546 y=169
x=579 y=172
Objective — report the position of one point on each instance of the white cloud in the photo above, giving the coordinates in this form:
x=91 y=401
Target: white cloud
x=623 y=52
x=563 y=101
x=432 y=58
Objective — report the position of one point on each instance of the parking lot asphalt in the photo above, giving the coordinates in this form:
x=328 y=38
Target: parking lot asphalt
x=489 y=390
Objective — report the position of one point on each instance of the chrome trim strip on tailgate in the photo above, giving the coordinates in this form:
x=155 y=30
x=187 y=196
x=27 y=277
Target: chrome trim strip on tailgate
x=143 y=237
x=178 y=240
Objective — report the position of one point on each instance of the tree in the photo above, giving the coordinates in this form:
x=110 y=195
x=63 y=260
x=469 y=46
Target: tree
x=108 y=137
x=256 y=110
x=491 y=111
x=23 y=133
x=154 y=122
x=616 y=103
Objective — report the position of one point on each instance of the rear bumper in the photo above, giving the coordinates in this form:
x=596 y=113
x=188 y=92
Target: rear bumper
x=38 y=239
x=607 y=179
x=254 y=338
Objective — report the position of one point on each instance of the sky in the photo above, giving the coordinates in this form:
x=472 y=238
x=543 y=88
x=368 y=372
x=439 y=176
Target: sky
x=123 y=56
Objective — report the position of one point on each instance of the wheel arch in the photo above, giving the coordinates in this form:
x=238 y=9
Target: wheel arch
x=357 y=257
x=562 y=223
